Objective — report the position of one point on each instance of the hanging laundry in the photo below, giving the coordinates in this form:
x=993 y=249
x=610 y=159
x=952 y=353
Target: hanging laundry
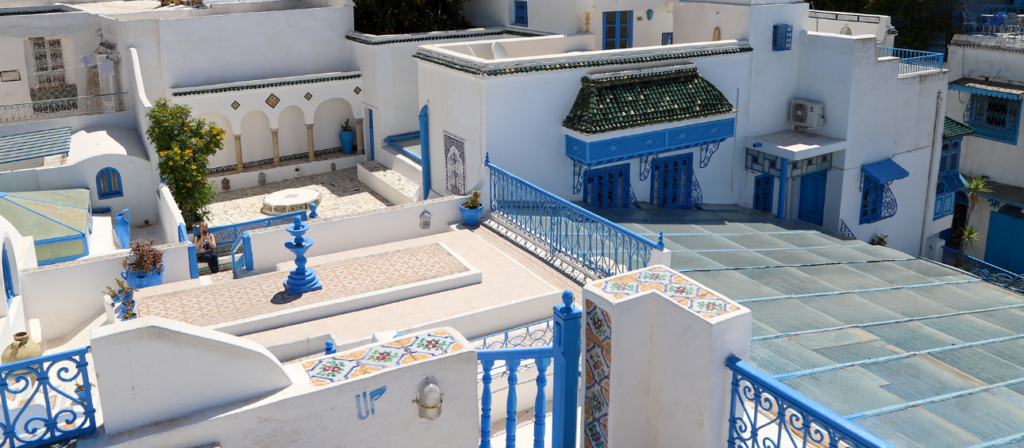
x=87 y=59
x=106 y=68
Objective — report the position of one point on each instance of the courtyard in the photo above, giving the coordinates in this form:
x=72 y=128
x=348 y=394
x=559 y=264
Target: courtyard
x=341 y=193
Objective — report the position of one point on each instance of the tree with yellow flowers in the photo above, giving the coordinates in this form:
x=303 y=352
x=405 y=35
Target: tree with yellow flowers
x=184 y=145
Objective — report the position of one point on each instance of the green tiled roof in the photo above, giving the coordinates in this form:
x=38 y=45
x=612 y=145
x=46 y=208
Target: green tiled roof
x=612 y=103
x=952 y=129
x=264 y=86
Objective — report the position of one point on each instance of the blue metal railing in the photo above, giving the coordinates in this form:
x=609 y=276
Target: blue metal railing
x=243 y=260
x=40 y=403
x=227 y=235
x=991 y=20
x=764 y=413
x=565 y=352
x=585 y=238
x=913 y=61
x=986 y=271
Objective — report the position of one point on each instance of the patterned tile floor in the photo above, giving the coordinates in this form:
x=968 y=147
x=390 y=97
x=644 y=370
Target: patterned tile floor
x=341 y=193
x=244 y=298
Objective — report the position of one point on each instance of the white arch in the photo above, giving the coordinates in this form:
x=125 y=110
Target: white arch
x=327 y=121
x=225 y=156
x=256 y=140
x=291 y=136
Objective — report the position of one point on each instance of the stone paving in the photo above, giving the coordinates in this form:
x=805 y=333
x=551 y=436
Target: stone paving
x=341 y=193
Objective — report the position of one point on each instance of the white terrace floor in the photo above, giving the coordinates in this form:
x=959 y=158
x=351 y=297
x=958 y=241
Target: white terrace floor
x=341 y=193
x=509 y=275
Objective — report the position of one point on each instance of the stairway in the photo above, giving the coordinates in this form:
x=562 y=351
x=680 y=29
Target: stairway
x=395 y=187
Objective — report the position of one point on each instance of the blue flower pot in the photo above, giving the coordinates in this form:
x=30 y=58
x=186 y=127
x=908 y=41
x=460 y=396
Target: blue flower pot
x=347 y=137
x=83 y=395
x=139 y=280
x=471 y=215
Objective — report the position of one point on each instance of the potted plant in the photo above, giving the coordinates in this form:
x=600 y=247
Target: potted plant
x=879 y=240
x=82 y=394
x=347 y=136
x=472 y=209
x=144 y=265
x=123 y=292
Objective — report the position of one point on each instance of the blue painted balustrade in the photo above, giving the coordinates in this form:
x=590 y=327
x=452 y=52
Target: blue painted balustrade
x=227 y=235
x=585 y=238
x=241 y=254
x=988 y=272
x=40 y=403
x=565 y=354
x=765 y=413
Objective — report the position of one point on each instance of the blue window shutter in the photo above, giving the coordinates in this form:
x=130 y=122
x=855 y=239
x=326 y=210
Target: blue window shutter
x=997 y=249
x=666 y=38
x=782 y=37
x=521 y=16
x=108 y=183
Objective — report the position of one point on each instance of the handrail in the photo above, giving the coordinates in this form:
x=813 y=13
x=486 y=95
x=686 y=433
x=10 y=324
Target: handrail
x=226 y=235
x=46 y=385
x=515 y=353
x=913 y=61
x=245 y=260
x=64 y=107
x=985 y=271
x=798 y=417
x=649 y=243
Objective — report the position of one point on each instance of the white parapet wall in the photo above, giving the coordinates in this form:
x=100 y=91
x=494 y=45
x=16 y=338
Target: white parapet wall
x=196 y=387
x=349 y=232
x=169 y=214
x=64 y=296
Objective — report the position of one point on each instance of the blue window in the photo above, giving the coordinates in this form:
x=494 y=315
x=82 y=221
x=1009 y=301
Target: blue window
x=8 y=283
x=618 y=29
x=994 y=118
x=871 y=200
x=782 y=37
x=666 y=38
x=521 y=17
x=108 y=183
x=950 y=181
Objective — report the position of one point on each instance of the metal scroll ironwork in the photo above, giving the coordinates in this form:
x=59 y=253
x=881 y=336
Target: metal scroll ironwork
x=64 y=107
x=579 y=174
x=706 y=151
x=845 y=230
x=988 y=272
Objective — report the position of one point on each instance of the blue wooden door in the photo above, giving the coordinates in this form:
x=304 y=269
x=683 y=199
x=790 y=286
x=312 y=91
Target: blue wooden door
x=608 y=187
x=1005 y=242
x=670 y=181
x=763 y=193
x=8 y=283
x=812 y=197
x=618 y=29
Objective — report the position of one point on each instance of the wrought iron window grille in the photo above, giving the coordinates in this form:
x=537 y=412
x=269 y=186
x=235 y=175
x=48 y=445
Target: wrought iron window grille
x=994 y=118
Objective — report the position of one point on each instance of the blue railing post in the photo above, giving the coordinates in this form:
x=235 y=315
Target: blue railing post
x=425 y=151
x=512 y=405
x=247 y=251
x=567 y=320
x=540 y=405
x=485 y=405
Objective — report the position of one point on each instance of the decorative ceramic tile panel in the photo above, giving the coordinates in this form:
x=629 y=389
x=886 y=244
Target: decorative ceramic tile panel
x=670 y=283
x=234 y=105
x=598 y=357
x=308 y=96
x=399 y=352
x=357 y=90
x=272 y=100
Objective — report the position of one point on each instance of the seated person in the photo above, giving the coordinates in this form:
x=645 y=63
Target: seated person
x=206 y=248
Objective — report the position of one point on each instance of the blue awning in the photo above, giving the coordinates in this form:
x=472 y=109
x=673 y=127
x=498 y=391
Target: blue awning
x=988 y=88
x=33 y=145
x=884 y=171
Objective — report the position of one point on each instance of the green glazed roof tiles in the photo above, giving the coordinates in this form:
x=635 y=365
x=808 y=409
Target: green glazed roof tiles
x=952 y=129
x=635 y=100
x=264 y=86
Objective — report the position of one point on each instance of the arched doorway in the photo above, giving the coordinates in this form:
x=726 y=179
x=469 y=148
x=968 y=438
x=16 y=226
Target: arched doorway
x=291 y=134
x=256 y=141
x=327 y=121
x=226 y=156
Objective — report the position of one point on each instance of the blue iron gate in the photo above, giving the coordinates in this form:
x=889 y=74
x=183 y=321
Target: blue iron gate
x=763 y=193
x=672 y=182
x=812 y=197
x=608 y=187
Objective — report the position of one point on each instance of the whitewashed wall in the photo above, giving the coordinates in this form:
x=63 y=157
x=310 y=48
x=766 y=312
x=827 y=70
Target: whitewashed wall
x=297 y=415
x=64 y=305
x=169 y=214
x=346 y=233
x=76 y=29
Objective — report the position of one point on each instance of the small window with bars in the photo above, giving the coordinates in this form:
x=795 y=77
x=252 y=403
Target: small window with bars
x=666 y=38
x=994 y=118
x=48 y=56
x=521 y=16
x=782 y=37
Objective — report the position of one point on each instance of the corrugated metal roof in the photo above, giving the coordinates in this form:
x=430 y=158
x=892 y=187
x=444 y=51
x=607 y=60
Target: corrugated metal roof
x=33 y=145
x=844 y=322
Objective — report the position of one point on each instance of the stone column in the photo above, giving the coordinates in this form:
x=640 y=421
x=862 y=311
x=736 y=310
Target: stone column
x=309 y=141
x=238 y=151
x=681 y=333
x=359 y=136
x=277 y=152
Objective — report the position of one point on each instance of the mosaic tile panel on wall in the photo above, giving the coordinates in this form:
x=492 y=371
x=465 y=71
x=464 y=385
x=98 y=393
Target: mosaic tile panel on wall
x=678 y=288
x=399 y=352
x=598 y=343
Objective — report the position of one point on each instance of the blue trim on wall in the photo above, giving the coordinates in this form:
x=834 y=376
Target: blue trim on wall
x=111 y=175
x=193 y=265
x=8 y=281
x=648 y=143
x=369 y=113
x=425 y=150
x=784 y=170
x=391 y=141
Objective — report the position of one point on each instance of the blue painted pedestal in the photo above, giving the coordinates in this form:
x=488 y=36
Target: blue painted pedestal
x=301 y=279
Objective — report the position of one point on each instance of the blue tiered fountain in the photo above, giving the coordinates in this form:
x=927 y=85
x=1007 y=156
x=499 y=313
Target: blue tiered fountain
x=301 y=279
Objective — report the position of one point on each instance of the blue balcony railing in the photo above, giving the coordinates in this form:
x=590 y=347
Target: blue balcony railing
x=241 y=254
x=228 y=234
x=768 y=414
x=992 y=20
x=988 y=272
x=565 y=354
x=41 y=405
x=584 y=238
x=913 y=61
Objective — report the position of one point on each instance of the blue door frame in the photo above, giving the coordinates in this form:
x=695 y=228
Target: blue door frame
x=671 y=182
x=608 y=187
x=369 y=113
x=812 y=197
x=8 y=281
x=763 y=189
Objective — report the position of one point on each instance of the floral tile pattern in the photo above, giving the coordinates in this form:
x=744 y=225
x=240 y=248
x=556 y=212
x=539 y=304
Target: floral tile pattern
x=670 y=283
x=351 y=364
x=598 y=357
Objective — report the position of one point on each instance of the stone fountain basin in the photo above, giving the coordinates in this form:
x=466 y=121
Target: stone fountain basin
x=290 y=200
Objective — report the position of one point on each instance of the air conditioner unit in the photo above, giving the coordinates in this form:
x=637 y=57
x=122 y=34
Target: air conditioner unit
x=806 y=114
